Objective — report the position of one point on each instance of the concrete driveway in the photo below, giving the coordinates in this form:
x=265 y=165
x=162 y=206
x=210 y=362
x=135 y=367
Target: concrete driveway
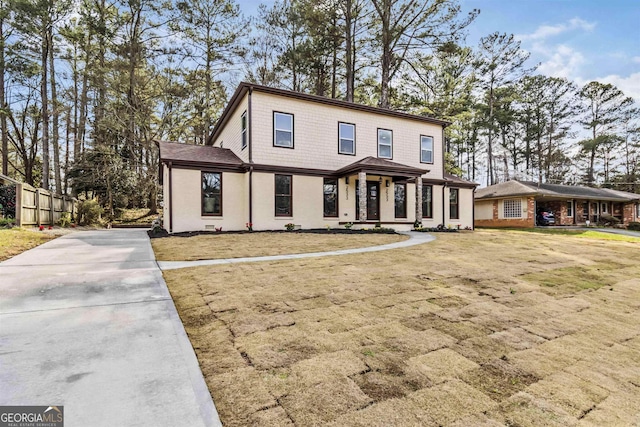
x=86 y=321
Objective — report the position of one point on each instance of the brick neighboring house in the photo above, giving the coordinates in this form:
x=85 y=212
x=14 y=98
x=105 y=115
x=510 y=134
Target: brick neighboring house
x=276 y=157
x=515 y=204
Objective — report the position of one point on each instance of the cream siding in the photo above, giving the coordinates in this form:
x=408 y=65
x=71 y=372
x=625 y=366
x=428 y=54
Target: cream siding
x=437 y=209
x=484 y=209
x=231 y=135
x=166 y=208
x=307 y=202
x=316 y=135
x=465 y=208
x=187 y=202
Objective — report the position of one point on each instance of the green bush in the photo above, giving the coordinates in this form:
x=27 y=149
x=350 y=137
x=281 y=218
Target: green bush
x=7 y=222
x=8 y=201
x=89 y=212
x=65 y=220
x=635 y=226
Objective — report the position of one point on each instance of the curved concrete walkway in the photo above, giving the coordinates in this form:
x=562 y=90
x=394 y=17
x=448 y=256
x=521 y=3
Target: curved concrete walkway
x=415 y=238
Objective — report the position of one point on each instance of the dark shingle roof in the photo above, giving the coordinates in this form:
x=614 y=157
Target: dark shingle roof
x=530 y=188
x=198 y=154
x=457 y=181
x=374 y=165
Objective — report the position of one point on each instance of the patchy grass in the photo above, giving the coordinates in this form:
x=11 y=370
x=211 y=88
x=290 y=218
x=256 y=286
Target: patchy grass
x=14 y=241
x=489 y=328
x=136 y=216
x=585 y=234
x=215 y=246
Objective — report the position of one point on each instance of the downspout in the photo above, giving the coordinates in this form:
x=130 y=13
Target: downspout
x=473 y=210
x=444 y=165
x=170 y=197
x=250 y=160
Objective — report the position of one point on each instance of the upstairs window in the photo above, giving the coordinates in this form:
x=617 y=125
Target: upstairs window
x=346 y=138
x=453 y=204
x=512 y=208
x=427 y=201
x=211 y=194
x=284 y=195
x=401 y=200
x=243 y=120
x=330 y=190
x=385 y=144
x=283 y=130
x=426 y=149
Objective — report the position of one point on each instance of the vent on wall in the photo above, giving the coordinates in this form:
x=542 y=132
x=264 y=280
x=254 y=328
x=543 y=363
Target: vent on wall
x=210 y=227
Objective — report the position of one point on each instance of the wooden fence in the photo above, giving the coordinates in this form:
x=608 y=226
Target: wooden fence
x=37 y=206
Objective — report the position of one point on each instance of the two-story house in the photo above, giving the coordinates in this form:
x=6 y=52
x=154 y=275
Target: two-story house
x=276 y=157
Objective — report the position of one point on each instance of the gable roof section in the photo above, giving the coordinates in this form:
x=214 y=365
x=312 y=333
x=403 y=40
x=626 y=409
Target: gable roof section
x=244 y=87
x=530 y=188
x=199 y=156
x=374 y=165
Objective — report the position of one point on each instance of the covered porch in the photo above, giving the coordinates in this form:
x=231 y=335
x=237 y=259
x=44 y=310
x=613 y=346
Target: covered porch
x=386 y=192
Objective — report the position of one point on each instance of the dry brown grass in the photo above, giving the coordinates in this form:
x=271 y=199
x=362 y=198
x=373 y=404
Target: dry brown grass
x=217 y=246
x=490 y=328
x=17 y=240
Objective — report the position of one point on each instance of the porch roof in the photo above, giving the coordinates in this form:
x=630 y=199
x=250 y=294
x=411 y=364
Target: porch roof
x=553 y=191
x=376 y=166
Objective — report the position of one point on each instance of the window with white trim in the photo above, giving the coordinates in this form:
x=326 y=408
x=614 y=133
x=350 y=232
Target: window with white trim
x=426 y=149
x=570 y=209
x=637 y=210
x=346 y=138
x=385 y=143
x=512 y=208
x=282 y=130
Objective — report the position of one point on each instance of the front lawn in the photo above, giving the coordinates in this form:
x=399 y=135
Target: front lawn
x=585 y=234
x=216 y=246
x=485 y=328
x=14 y=241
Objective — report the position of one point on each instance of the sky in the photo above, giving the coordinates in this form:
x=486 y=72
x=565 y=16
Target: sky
x=581 y=40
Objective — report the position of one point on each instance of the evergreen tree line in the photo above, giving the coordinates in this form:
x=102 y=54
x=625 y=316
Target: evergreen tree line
x=88 y=86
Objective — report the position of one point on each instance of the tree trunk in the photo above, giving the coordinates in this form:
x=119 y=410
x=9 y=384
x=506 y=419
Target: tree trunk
x=386 y=56
x=66 y=153
x=207 y=89
x=3 y=105
x=490 y=179
x=349 y=73
x=54 y=117
x=99 y=130
x=45 y=104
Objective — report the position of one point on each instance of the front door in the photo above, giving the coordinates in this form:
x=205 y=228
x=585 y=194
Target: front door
x=373 y=200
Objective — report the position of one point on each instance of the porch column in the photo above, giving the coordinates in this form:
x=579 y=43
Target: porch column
x=419 y=199
x=362 y=202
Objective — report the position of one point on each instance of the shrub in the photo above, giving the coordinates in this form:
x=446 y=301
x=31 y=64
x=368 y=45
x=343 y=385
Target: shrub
x=8 y=201
x=7 y=222
x=290 y=226
x=635 y=226
x=65 y=220
x=348 y=225
x=89 y=212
